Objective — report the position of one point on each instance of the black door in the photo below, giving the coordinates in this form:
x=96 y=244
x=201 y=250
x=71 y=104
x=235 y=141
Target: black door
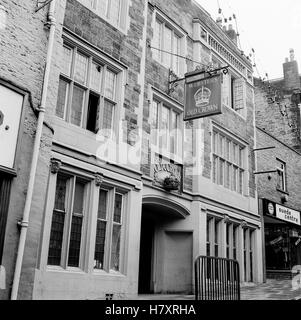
x=5 y=183
x=145 y=263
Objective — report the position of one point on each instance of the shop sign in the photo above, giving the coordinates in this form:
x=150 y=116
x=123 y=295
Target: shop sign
x=10 y=116
x=287 y=214
x=168 y=176
x=202 y=96
x=283 y=213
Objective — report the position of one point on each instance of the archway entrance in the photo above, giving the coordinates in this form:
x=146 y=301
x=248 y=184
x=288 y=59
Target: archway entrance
x=165 y=248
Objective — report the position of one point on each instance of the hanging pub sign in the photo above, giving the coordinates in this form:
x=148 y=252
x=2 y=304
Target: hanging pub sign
x=202 y=96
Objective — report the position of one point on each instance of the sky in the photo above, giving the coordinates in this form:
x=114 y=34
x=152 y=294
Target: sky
x=270 y=27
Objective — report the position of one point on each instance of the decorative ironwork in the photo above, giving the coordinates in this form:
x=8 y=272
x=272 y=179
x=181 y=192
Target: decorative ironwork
x=55 y=165
x=173 y=82
x=42 y=4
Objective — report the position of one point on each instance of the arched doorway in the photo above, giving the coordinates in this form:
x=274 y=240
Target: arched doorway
x=165 y=248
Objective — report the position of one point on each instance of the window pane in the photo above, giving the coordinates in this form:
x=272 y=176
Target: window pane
x=214 y=142
x=234 y=179
x=114 y=11
x=115 y=253
x=215 y=161
x=81 y=67
x=176 y=50
x=95 y=77
x=67 y=58
x=241 y=174
x=76 y=225
x=62 y=98
x=57 y=225
x=77 y=105
x=107 y=115
x=100 y=244
x=102 y=7
x=164 y=132
x=240 y=157
x=56 y=238
x=173 y=133
x=227 y=175
x=167 y=46
x=221 y=171
x=110 y=85
x=118 y=208
x=60 y=193
x=102 y=205
x=154 y=122
x=75 y=240
x=157 y=39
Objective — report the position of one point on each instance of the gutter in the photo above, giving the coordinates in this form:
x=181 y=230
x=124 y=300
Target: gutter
x=25 y=219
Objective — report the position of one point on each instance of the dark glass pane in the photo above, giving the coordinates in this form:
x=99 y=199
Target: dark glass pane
x=102 y=205
x=75 y=240
x=118 y=207
x=60 y=193
x=61 y=99
x=100 y=244
x=92 y=112
x=56 y=238
x=77 y=105
x=115 y=253
x=79 y=197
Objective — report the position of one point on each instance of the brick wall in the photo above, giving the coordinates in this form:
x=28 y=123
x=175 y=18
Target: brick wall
x=183 y=13
x=22 y=61
x=277 y=114
x=266 y=160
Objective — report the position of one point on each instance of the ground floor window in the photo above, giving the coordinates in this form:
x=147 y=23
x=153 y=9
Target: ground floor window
x=213 y=236
x=248 y=248
x=282 y=246
x=72 y=213
x=231 y=240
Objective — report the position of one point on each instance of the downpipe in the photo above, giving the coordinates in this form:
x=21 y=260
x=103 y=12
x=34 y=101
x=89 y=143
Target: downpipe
x=25 y=219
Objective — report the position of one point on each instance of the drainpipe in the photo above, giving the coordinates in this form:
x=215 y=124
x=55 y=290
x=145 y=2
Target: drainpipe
x=25 y=219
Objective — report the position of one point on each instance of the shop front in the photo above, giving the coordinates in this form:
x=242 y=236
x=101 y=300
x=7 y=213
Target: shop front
x=282 y=229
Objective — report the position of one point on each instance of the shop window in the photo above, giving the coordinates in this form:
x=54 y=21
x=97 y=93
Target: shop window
x=168 y=43
x=65 y=246
x=281 y=175
x=113 y=11
x=109 y=230
x=88 y=91
x=229 y=167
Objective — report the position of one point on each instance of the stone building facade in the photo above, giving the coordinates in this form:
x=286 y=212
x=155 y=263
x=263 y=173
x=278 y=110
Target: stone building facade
x=128 y=194
x=279 y=164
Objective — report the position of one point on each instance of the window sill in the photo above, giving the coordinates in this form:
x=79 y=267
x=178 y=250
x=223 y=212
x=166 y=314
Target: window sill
x=100 y=272
x=236 y=112
x=282 y=191
x=62 y=270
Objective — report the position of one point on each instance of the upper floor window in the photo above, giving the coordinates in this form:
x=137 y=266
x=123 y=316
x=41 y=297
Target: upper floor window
x=169 y=44
x=114 y=11
x=281 y=175
x=229 y=164
x=166 y=129
x=88 y=92
x=234 y=93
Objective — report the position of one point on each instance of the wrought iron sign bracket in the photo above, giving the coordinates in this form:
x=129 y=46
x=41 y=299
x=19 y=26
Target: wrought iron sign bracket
x=41 y=4
x=173 y=79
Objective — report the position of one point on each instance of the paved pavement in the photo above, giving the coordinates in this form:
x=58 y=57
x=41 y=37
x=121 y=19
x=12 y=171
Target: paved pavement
x=271 y=290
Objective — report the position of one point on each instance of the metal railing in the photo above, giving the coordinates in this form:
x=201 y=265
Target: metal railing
x=216 y=279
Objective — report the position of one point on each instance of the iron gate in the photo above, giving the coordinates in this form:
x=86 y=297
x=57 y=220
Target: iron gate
x=216 y=279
